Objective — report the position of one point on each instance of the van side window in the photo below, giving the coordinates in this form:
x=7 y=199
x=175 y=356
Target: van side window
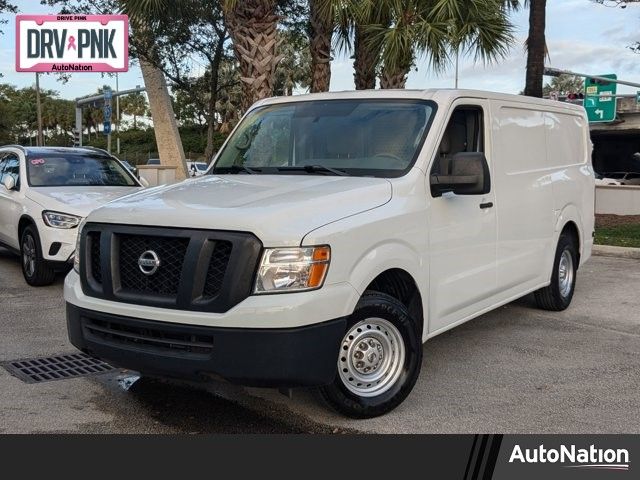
x=464 y=133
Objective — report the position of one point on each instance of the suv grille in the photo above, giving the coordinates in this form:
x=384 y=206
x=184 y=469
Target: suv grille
x=202 y=270
x=165 y=281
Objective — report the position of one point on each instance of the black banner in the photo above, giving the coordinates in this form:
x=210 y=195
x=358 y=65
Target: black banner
x=456 y=457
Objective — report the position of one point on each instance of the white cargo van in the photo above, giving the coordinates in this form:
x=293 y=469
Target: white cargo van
x=333 y=234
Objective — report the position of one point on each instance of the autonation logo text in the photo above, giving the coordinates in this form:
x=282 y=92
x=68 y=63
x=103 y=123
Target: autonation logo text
x=574 y=457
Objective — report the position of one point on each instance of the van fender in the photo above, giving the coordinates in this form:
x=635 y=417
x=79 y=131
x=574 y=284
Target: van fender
x=387 y=256
x=569 y=213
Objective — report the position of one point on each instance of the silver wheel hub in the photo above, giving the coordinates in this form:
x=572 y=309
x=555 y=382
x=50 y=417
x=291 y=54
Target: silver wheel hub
x=371 y=357
x=565 y=273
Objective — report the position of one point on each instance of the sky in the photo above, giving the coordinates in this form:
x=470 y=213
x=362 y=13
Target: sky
x=581 y=36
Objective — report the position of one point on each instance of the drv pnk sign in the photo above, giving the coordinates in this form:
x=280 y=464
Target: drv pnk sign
x=72 y=43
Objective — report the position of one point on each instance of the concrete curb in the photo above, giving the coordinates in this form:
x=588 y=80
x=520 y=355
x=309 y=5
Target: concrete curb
x=621 y=252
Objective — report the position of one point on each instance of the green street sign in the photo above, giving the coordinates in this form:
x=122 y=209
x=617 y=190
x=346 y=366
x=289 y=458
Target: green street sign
x=600 y=99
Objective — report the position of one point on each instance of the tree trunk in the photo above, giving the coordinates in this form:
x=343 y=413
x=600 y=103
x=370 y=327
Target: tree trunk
x=252 y=26
x=165 y=126
x=365 y=62
x=320 y=44
x=396 y=78
x=536 y=48
x=213 y=96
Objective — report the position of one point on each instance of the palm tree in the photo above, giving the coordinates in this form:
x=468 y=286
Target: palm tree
x=536 y=48
x=252 y=25
x=432 y=28
x=135 y=105
x=321 y=25
x=142 y=14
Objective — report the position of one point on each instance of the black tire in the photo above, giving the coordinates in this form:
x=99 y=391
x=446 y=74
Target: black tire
x=553 y=297
x=376 y=305
x=36 y=270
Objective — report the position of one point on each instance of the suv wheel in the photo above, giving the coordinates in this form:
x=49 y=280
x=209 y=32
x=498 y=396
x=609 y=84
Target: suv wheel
x=37 y=272
x=557 y=296
x=379 y=359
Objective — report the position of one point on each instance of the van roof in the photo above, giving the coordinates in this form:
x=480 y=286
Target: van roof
x=440 y=95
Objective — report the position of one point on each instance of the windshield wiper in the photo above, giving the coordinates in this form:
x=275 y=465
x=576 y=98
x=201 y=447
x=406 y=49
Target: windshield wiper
x=237 y=169
x=316 y=168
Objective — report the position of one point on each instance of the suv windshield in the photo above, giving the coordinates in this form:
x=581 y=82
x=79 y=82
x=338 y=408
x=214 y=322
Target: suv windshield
x=354 y=137
x=56 y=170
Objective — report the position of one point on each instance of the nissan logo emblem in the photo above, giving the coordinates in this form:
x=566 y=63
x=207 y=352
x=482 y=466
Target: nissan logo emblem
x=149 y=262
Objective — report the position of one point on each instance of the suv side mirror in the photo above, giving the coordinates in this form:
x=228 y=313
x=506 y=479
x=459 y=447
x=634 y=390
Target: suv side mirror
x=9 y=182
x=469 y=176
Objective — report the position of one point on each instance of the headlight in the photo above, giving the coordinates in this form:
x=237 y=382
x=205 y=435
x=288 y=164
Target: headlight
x=76 y=255
x=60 y=220
x=292 y=269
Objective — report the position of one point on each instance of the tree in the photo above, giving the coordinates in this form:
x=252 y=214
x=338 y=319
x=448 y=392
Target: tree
x=134 y=104
x=253 y=25
x=430 y=28
x=536 y=48
x=564 y=85
x=295 y=70
x=321 y=24
x=141 y=22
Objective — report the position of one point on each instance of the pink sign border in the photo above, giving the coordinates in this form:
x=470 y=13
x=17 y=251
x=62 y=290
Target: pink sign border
x=97 y=67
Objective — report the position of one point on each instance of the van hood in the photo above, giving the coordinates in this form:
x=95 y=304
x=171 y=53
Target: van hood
x=278 y=209
x=76 y=200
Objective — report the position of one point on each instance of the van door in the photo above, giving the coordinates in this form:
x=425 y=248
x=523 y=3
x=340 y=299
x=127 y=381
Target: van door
x=462 y=228
x=525 y=198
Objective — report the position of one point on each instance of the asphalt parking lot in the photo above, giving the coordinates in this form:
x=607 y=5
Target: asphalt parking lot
x=517 y=369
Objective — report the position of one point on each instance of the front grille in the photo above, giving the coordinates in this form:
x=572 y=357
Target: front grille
x=217 y=269
x=198 y=270
x=165 y=281
x=148 y=338
x=94 y=248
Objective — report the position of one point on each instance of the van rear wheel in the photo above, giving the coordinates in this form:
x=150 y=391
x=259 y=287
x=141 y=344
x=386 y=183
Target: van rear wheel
x=379 y=359
x=557 y=296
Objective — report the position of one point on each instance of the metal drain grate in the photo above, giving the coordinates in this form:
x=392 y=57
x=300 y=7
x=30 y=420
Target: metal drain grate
x=59 y=367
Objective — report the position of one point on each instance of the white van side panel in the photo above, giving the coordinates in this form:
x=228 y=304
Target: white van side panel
x=569 y=155
x=524 y=196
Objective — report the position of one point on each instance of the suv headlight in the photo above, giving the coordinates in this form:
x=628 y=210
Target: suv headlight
x=292 y=269
x=60 y=220
x=76 y=254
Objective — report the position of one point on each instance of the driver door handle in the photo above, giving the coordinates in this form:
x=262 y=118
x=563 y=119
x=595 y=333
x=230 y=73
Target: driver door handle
x=486 y=205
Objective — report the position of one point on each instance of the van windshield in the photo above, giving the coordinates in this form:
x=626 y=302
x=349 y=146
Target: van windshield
x=329 y=137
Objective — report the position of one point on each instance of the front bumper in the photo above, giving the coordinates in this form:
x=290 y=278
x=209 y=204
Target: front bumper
x=284 y=358
x=58 y=244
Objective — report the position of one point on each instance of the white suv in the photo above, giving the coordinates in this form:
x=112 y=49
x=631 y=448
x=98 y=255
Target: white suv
x=45 y=193
x=334 y=234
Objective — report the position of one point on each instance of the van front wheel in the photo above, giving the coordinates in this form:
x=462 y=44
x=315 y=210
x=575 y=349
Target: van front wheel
x=379 y=359
x=557 y=296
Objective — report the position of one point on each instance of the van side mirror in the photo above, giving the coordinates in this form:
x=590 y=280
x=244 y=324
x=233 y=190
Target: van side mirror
x=469 y=176
x=9 y=182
